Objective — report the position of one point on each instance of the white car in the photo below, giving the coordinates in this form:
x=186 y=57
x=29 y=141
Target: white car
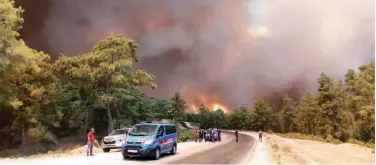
x=114 y=140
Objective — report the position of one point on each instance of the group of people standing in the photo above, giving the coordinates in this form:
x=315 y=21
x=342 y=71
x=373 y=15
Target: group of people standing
x=208 y=135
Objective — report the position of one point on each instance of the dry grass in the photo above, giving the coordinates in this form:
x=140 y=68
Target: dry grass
x=66 y=147
x=326 y=140
x=296 y=151
x=275 y=147
x=286 y=149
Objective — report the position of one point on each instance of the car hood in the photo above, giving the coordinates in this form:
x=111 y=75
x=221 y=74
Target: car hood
x=114 y=137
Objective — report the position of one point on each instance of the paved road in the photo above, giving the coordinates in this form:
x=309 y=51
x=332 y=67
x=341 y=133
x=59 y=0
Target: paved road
x=229 y=152
x=225 y=152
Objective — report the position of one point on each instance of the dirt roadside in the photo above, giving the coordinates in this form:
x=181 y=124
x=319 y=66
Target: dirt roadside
x=295 y=151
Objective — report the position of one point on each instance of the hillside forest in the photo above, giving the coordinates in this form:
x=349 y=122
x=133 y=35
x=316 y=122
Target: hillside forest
x=43 y=101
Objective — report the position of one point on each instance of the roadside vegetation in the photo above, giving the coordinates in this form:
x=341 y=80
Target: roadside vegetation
x=43 y=102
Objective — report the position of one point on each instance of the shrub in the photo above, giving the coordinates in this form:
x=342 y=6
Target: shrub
x=275 y=147
x=185 y=135
x=328 y=139
x=331 y=139
x=286 y=149
x=364 y=144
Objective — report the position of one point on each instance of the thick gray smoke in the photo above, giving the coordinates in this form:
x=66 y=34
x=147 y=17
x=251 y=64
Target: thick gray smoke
x=236 y=49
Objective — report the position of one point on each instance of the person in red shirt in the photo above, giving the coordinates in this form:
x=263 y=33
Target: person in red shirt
x=195 y=134
x=90 y=142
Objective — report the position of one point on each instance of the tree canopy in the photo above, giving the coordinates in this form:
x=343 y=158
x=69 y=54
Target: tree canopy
x=42 y=101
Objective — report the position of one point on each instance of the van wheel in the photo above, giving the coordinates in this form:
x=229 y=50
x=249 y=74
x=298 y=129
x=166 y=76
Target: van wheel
x=173 y=150
x=125 y=157
x=157 y=154
x=106 y=150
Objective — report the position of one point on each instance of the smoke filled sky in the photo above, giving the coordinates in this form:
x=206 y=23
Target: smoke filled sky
x=235 y=50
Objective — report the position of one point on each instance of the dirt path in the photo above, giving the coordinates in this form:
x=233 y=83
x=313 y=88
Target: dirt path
x=294 y=151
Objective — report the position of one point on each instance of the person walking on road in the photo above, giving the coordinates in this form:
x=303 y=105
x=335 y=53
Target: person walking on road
x=236 y=135
x=90 y=142
x=260 y=136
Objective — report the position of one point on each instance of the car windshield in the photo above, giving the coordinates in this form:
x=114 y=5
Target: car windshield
x=119 y=132
x=143 y=130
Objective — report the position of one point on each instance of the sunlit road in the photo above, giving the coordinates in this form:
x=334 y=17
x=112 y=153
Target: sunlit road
x=230 y=152
x=225 y=152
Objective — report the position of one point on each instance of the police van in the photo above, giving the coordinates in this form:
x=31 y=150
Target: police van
x=150 y=139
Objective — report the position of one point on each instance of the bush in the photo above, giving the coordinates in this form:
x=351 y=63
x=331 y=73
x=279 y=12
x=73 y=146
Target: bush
x=286 y=149
x=331 y=139
x=185 y=135
x=328 y=139
x=364 y=144
x=275 y=147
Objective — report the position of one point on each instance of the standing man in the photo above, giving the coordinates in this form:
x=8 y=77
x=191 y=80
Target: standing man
x=260 y=136
x=195 y=134
x=236 y=135
x=219 y=135
x=90 y=142
x=215 y=136
x=200 y=136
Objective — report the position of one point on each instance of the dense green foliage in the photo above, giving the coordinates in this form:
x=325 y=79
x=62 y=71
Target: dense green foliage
x=343 y=111
x=44 y=101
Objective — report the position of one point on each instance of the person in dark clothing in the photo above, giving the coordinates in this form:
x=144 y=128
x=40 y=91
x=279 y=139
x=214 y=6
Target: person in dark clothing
x=219 y=135
x=236 y=135
x=200 y=135
x=260 y=136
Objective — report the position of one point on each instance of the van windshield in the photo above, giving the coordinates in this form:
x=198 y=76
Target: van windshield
x=143 y=130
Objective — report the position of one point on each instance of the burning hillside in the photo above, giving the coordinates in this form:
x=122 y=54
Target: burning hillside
x=195 y=98
x=231 y=51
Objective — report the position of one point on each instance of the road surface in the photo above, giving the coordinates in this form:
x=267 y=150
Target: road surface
x=230 y=152
x=225 y=152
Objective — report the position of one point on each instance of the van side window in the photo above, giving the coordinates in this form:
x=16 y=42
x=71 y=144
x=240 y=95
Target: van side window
x=170 y=129
x=161 y=129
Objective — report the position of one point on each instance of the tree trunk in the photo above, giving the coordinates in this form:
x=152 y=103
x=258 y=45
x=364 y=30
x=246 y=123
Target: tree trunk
x=110 y=120
x=23 y=140
x=86 y=119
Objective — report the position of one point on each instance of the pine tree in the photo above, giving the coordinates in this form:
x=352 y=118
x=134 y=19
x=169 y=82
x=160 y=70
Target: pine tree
x=334 y=119
x=288 y=114
x=261 y=116
x=307 y=114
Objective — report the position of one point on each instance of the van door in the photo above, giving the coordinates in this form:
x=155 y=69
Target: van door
x=161 y=138
x=171 y=137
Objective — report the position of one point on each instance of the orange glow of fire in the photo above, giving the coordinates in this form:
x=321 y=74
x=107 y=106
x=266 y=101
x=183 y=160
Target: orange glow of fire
x=195 y=99
x=159 y=20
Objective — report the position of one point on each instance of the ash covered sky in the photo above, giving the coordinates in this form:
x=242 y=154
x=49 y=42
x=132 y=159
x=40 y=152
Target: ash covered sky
x=237 y=50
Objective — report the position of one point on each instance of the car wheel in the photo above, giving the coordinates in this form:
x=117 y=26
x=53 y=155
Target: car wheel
x=157 y=154
x=173 y=150
x=106 y=150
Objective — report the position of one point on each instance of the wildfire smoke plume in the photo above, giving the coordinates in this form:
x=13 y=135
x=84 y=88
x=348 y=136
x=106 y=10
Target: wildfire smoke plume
x=228 y=52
